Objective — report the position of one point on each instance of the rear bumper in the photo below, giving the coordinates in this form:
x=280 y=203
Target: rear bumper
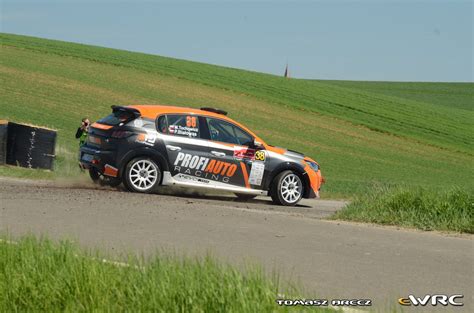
x=102 y=160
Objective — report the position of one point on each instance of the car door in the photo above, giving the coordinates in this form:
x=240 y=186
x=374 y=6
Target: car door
x=187 y=152
x=231 y=145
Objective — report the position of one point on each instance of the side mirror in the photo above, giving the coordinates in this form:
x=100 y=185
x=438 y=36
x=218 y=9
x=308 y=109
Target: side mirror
x=257 y=144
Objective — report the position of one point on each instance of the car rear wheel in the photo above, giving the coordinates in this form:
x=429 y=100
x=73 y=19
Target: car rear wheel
x=142 y=175
x=94 y=175
x=102 y=180
x=287 y=188
x=245 y=196
x=114 y=182
x=110 y=181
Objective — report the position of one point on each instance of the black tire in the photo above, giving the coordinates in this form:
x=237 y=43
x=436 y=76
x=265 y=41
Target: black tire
x=114 y=181
x=283 y=182
x=102 y=180
x=143 y=180
x=95 y=175
x=245 y=196
x=109 y=181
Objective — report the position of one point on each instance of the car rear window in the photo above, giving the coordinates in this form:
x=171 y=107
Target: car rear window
x=142 y=123
x=117 y=117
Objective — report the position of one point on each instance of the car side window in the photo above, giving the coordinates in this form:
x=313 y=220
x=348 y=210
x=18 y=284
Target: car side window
x=179 y=125
x=226 y=132
x=244 y=138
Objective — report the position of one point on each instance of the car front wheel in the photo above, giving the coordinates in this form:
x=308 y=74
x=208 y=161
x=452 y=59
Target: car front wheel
x=287 y=188
x=142 y=175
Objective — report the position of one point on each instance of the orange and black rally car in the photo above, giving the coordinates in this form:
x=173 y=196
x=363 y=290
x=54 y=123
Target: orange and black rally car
x=145 y=146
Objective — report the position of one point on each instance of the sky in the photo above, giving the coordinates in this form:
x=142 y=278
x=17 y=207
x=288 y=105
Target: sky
x=414 y=40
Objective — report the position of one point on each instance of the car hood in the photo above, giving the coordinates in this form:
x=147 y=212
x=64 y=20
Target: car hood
x=286 y=152
x=294 y=154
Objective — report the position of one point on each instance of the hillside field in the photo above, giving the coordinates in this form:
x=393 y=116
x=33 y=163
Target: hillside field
x=452 y=95
x=362 y=133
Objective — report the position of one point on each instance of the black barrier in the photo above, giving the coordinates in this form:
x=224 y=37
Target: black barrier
x=30 y=146
x=3 y=141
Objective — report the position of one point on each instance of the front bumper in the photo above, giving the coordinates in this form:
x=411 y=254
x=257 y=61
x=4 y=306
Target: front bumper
x=313 y=194
x=315 y=182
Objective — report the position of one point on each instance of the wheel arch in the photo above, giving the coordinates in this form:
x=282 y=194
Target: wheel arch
x=144 y=152
x=299 y=170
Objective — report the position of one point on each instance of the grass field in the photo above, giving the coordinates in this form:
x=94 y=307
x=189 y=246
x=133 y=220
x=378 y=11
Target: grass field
x=362 y=135
x=452 y=95
x=41 y=276
x=450 y=210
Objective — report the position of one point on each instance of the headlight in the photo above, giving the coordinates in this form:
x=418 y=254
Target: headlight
x=313 y=165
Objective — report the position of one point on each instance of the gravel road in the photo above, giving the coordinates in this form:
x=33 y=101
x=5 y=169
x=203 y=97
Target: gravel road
x=329 y=259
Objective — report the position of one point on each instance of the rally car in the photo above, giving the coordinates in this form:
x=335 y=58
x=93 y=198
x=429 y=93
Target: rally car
x=145 y=146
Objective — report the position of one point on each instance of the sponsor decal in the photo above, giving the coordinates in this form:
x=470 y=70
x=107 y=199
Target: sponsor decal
x=256 y=173
x=260 y=155
x=432 y=300
x=148 y=139
x=185 y=177
x=244 y=153
x=183 y=130
x=204 y=167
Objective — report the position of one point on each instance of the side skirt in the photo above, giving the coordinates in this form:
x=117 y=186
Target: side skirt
x=169 y=180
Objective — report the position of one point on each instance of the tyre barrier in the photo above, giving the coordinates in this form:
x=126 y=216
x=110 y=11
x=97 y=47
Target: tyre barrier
x=30 y=146
x=3 y=141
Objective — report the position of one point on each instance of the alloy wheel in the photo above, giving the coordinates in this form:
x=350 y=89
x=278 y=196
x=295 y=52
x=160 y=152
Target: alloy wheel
x=291 y=188
x=143 y=175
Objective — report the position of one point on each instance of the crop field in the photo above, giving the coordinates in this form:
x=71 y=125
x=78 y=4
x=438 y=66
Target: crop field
x=362 y=134
x=452 y=95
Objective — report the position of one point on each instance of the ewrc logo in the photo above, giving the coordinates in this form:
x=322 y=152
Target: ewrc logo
x=432 y=299
x=204 y=165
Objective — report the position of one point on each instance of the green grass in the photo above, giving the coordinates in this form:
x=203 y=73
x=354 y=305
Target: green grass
x=42 y=276
x=360 y=137
x=450 y=210
x=451 y=95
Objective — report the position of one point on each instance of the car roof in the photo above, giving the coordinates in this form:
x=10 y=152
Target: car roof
x=152 y=111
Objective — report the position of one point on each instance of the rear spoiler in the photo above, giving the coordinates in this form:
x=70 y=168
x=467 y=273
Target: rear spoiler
x=134 y=111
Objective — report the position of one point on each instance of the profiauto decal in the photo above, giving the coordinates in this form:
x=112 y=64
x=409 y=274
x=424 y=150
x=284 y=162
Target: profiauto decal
x=204 y=167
